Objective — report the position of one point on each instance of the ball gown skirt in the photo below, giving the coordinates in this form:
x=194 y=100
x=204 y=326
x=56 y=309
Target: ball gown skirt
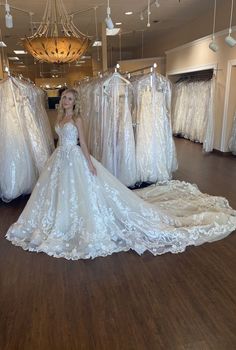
x=76 y=215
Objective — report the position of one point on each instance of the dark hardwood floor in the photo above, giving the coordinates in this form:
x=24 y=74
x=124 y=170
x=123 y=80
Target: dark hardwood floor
x=125 y=302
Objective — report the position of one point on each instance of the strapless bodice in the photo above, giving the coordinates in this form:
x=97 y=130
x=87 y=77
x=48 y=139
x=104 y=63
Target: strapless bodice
x=68 y=134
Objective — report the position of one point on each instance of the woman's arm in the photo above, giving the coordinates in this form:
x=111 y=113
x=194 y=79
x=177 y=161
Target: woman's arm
x=79 y=124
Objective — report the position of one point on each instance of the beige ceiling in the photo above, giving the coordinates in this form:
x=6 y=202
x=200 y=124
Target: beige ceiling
x=170 y=15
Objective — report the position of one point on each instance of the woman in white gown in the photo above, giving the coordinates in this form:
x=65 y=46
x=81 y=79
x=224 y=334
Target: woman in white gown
x=79 y=210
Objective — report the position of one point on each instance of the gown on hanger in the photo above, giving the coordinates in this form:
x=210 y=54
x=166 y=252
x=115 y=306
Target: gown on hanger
x=74 y=214
x=155 y=149
x=26 y=142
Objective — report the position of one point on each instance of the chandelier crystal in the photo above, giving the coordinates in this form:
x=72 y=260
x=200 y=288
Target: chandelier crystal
x=57 y=39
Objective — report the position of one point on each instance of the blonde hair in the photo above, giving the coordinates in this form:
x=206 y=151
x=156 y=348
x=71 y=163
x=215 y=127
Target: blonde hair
x=61 y=111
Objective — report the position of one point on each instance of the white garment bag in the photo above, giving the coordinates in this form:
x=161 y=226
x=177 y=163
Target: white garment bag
x=118 y=151
x=155 y=149
x=24 y=148
x=192 y=111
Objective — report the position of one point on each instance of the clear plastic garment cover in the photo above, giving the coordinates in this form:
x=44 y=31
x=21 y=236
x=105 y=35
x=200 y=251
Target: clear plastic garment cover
x=193 y=111
x=128 y=126
x=25 y=137
x=155 y=149
x=106 y=108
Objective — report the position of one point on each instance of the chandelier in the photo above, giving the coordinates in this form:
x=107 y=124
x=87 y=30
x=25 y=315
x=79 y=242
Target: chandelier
x=57 y=39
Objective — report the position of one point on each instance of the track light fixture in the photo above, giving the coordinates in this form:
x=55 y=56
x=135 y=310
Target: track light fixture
x=108 y=19
x=213 y=46
x=8 y=16
x=147 y=10
x=148 y=13
x=229 y=39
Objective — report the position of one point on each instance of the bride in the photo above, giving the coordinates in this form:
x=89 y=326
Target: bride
x=78 y=210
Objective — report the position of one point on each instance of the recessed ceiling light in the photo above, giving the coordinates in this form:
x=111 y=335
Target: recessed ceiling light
x=13 y=58
x=80 y=61
x=20 y=52
x=85 y=57
x=128 y=13
x=118 y=23
x=2 y=44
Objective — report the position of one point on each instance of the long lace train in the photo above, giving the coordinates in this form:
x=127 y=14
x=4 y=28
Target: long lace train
x=73 y=214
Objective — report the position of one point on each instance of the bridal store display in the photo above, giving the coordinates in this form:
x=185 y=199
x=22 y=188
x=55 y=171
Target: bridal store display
x=232 y=141
x=76 y=215
x=192 y=110
x=128 y=126
x=25 y=137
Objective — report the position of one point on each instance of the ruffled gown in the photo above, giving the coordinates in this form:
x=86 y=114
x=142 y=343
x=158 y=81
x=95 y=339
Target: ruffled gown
x=73 y=214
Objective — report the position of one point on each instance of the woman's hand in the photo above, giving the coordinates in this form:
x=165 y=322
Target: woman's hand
x=92 y=169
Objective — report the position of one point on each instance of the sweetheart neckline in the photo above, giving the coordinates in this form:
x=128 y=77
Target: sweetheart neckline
x=65 y=124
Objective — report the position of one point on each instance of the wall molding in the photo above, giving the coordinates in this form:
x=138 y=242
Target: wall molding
x=223 y=145
x=193 y=69
x=199 y=41
x=160 y=58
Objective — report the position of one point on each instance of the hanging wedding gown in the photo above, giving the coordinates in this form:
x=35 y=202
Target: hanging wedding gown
x=232 y=141
x=193 y=112
x=118 y=149
x=90 y=97
x=25 y=138
x=73 y=214
x=155 y=149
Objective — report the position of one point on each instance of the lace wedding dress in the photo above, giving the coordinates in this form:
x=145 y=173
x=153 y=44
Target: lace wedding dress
x=73 y=214
x=155 y=149
x=193 y=111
